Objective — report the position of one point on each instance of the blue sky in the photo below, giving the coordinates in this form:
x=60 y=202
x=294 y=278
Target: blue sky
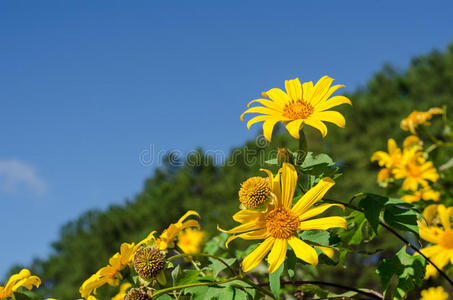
x=86 y=86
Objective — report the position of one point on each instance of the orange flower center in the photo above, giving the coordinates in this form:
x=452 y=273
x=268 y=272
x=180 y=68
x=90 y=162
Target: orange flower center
x=446 y=240
x=281 y=223
x=254 y=192
x=298 y=110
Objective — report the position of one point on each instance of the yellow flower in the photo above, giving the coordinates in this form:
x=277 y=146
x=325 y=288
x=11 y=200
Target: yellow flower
x=301 y=104
x=442 y=250
x=21 y=279
x=111 y=273
x=412 y=141
x=190 y=240
x=123 y=291
x=167 y=238
x=434 y=293
x=425 y=194
x=278 y=226
x=417 y=118
x=415 y=170
x=388 y=159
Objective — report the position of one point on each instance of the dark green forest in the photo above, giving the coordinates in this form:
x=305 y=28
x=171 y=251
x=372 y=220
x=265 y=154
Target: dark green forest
x=86 y=243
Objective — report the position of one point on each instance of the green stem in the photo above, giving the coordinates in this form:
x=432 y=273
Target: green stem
x=203 y=255
x=184 y=286
x=303 y=147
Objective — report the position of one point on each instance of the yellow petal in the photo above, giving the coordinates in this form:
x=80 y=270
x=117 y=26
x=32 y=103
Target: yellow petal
x=277 y=95
x=268 y=127
x=430 y=251
x=267 y=103
x=332 y=102
x=303 y=251
x=277 y=255
x=313 y=195
x=188 y=214
x=254 y=235
x=317 y=211
x=190 y=223
x=313 y=122
x=321 y=89
x=293 y=127
x=257 y=119
x=444 y=217
x=307 y=89
x=288 y=182
x=294 y=89
x=244 y=227
x=323 y=223
x=245 y=216
x=257 y=255
x=332 y=117
x=430 y=234
x=327 y=251
x=260 y=110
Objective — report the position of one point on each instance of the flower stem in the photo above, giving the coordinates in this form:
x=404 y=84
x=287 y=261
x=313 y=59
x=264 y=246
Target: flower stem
x=302 y=150
x=204 y=255
x=184 y=286
x=370 y=293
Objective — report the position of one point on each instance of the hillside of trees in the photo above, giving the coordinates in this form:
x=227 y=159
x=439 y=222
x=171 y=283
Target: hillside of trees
x=86 y=243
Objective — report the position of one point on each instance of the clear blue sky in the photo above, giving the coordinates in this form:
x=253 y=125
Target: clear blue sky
x=85 y=86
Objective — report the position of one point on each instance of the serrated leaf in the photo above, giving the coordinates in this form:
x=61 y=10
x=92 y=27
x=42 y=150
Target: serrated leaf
x=319 y=237
x=409 y=269
x=218 y=267
x=372 y=206
x=401 y=218
x=188 y=276
x=274 y=281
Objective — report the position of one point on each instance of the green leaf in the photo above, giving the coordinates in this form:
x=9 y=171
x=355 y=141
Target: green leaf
x=372 y=206
x=188 y=276
x=175 y=274
x=409 y=269
x=396 y=213
x=164 y=297
x=401 y=218
x=227 y=294
x=218 y=267
x=320 y=165
x=291 y=262
x=216 y=243
x=274 y=281
x=25 y=295
x=197 y=292
x=272 y=161
x=319 y=237
x=354 y=235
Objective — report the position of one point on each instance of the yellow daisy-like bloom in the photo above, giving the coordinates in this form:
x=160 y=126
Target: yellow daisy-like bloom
x=417 y=118
x=123 y=291
x=111 y=273
x=434 y=293
x=21 y=279
x=301 y=104
x=425 y=194
x=415 y=170
x=190 y=240
x=442 y=251
x=278 y=226
x=167 y=238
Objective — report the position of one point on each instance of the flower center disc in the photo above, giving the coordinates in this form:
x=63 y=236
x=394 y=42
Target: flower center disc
x=281 y=223
x=298 y=110
x=446 y=240
x=254 y=192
